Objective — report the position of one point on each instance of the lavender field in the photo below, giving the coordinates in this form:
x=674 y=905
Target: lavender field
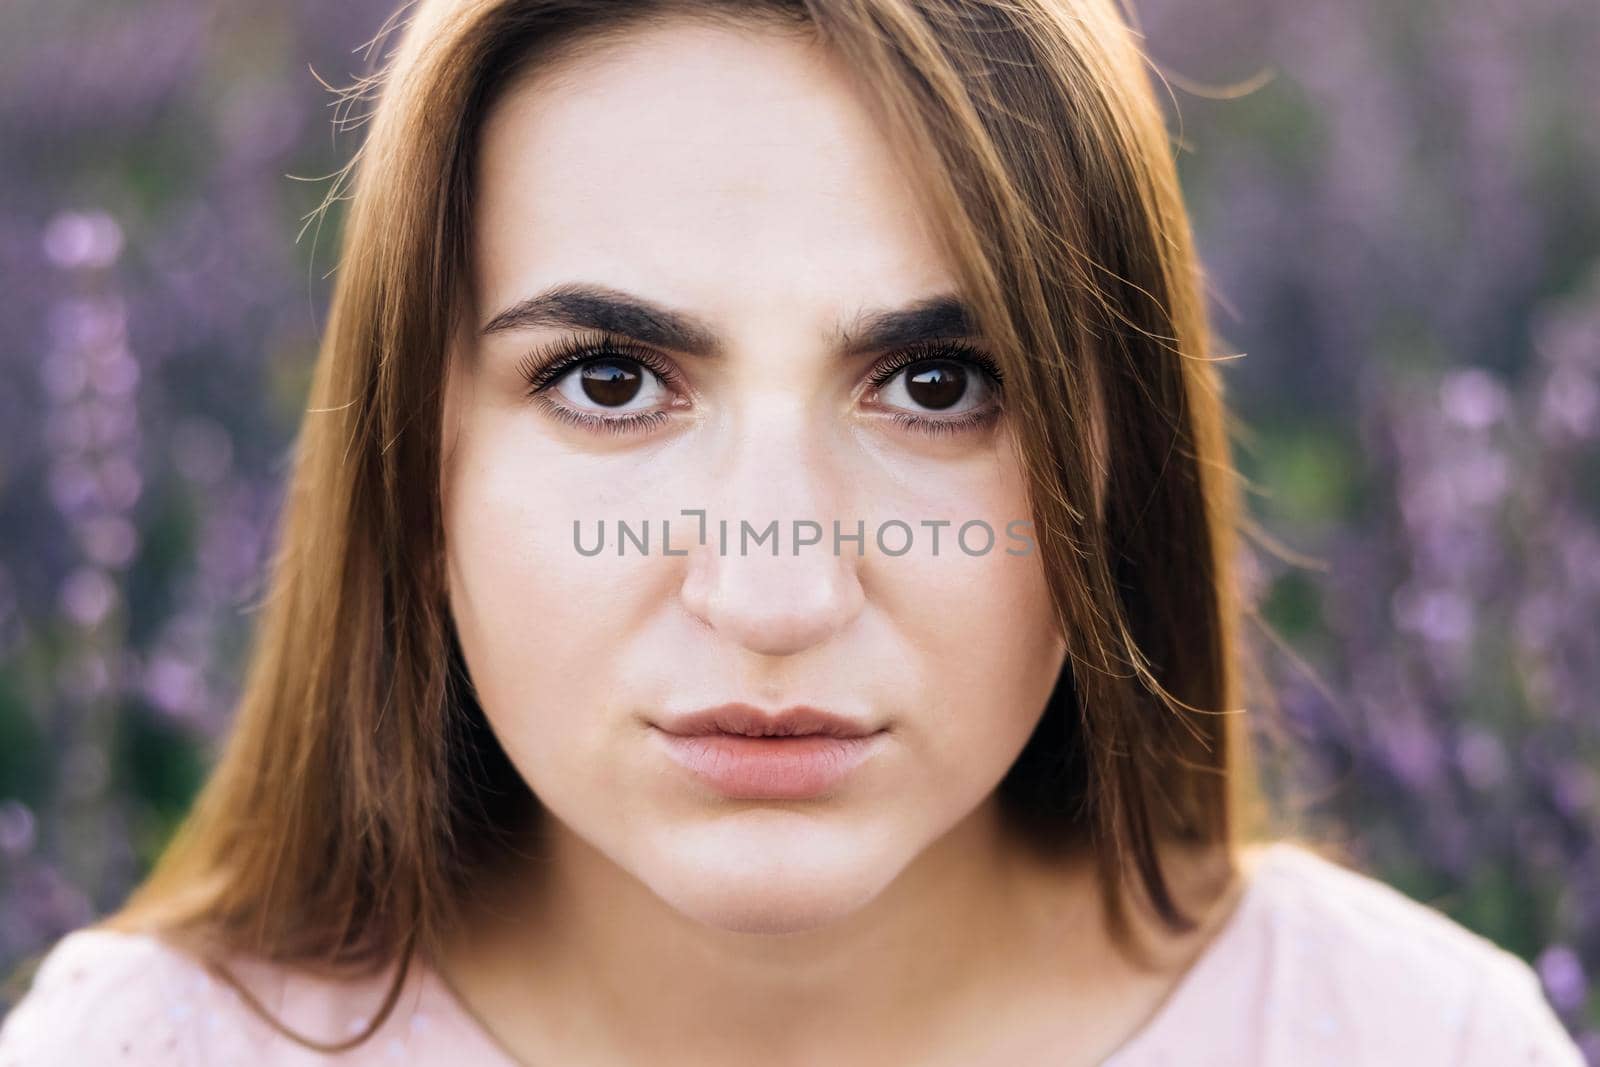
x=1398 y=206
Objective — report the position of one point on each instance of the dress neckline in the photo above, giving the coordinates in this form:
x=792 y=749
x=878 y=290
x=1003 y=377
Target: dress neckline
x=1265 y=857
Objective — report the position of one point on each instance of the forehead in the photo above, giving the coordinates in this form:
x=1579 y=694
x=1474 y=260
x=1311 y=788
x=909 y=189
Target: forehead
x=727 y=169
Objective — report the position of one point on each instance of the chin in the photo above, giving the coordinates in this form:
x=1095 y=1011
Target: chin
x=775 y=889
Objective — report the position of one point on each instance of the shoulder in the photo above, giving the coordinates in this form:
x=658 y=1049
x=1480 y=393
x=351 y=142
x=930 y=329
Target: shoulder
x=103 y=996
x=1394 y=976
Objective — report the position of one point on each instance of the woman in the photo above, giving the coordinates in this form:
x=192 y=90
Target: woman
x=541 y=761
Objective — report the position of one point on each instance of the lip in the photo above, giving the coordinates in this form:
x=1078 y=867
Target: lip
x=746 y=754
x=770 y=768
x=750 y=721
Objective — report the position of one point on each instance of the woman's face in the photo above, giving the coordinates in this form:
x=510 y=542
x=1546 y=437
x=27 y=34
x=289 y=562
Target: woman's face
x=731 y=181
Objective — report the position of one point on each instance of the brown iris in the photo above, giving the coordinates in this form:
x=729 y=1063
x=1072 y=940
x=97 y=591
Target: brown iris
x=610 y=382
x=938 y=385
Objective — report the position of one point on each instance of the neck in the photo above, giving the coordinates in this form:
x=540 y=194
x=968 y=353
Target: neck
x=572 y=956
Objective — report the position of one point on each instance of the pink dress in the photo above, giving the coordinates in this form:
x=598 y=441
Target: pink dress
x=1317 y=965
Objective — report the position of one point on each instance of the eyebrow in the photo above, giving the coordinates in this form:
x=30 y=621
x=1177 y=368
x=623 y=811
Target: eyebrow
x=578 y=306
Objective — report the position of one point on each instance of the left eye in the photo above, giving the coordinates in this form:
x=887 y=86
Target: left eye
x=937 y=385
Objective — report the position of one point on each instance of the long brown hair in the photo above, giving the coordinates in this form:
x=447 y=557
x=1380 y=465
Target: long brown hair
x=360 y=790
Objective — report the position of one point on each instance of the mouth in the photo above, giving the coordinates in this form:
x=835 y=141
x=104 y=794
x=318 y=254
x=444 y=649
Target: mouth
x=746 y=720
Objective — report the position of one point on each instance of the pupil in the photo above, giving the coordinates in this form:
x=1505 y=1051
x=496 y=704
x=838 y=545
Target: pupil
x=610 y=383
x=939 y=386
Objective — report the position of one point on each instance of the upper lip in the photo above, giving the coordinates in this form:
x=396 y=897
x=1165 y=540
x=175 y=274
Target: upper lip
x=752 y=721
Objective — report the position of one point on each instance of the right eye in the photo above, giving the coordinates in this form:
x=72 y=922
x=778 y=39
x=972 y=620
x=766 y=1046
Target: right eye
x=610 y=383
x=578 y=380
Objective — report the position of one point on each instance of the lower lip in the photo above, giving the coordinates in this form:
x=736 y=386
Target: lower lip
x=770 y=768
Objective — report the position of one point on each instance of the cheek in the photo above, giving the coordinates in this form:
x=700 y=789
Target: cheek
x=989 y=654
x=979 y=626
x=540 y=624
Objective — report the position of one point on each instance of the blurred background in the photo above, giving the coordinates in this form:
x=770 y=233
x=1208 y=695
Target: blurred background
x=1399 y=209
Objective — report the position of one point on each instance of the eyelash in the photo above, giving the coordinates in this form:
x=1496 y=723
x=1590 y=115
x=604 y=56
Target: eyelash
x=545 y=366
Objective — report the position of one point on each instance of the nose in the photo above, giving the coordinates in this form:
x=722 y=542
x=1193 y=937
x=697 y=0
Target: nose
x=752 y=578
